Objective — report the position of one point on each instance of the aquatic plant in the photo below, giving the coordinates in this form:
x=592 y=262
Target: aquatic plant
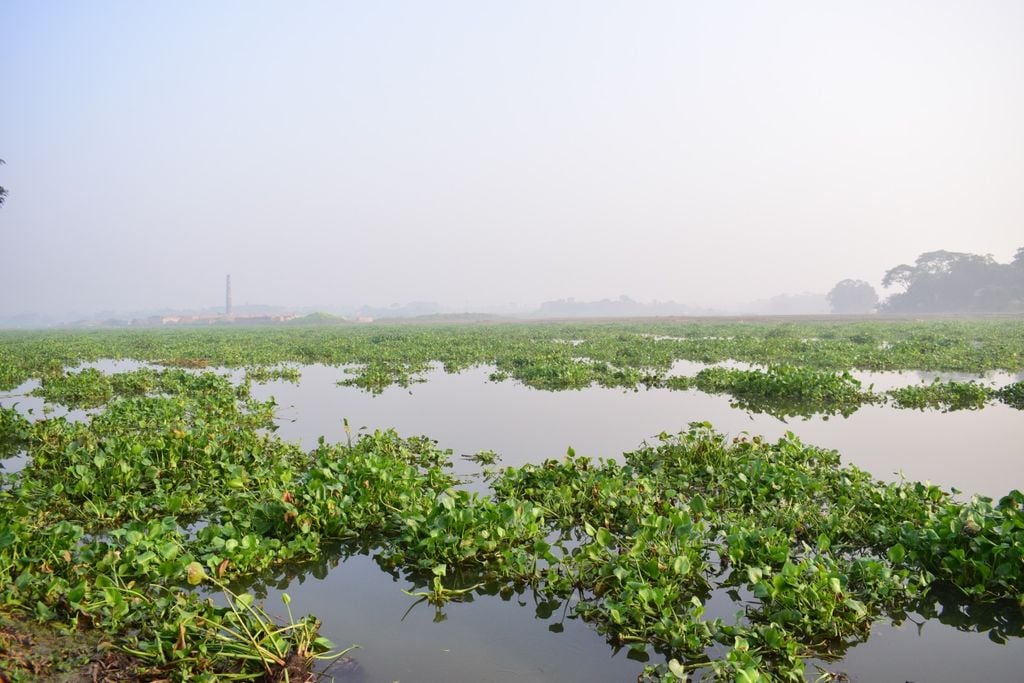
x=176 y=483
x=627 y=354
x=948 y=395
x=1012 y=395
x=262 y=374
x=785 y=390
x=85 y=389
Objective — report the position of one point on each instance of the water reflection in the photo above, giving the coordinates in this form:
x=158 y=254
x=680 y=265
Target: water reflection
x=491 y=634
x=975 y=451
x=508 y=633
x=503 y=632
x=943 y=638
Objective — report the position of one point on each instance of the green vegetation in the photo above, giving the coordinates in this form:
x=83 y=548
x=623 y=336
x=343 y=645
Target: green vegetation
x=1012 y=395
x=176 y=490
x=783 y=390
x=14 y=430
x=947 y=395
x=546 y=356
x=261 y=374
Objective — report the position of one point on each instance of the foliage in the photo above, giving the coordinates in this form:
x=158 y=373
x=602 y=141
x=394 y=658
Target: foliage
x=14 y=431
x=852 y=297
x=817 y=544
x=544 y=356
x=92 y=531
x=1012 y=395
x=948 y=395
x=85 y=389
x=977 y=547
x=786 y=390
x=178 y=481
x=262 y=374
x=946 y=281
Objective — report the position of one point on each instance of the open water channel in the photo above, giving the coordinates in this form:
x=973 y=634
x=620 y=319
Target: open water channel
x=520 y=638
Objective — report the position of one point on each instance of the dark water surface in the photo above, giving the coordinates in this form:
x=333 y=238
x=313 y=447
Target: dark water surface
x=518 y=638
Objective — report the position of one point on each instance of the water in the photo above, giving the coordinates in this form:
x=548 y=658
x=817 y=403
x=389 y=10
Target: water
x=978 y=452
x=491 y=638
x=486 y=639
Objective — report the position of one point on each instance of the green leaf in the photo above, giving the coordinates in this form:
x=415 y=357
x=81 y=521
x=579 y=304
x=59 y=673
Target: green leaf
x=195 y=573
x=857 y=606
x=749 y=675
x=677 y=669
x=897 y=553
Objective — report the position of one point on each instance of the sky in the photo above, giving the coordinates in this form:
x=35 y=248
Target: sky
x=480 y=153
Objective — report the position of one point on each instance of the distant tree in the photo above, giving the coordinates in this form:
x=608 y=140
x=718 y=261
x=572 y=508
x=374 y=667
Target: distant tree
x=852 y=296
x=3 y=192
x=950 y=281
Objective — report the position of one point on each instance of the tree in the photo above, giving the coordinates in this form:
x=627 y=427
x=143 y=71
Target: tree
x=3 y=192
x=956 y=282
x=852 y=297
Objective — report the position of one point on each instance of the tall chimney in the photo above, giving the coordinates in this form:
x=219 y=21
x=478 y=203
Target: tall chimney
x=227 y=298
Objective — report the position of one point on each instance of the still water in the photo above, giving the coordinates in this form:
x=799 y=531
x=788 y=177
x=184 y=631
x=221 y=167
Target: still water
x=519 y=638
x=490 y=639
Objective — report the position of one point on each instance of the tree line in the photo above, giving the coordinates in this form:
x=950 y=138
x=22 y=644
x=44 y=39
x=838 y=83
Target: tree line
x=939 y=282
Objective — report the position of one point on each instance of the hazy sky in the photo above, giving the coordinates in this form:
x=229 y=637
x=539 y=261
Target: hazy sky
x=487 y=152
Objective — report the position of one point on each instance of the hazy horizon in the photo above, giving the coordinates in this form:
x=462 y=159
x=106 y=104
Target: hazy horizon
x=478 y=155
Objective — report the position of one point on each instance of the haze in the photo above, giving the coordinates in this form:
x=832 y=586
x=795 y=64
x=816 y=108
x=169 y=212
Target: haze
x=478 y=154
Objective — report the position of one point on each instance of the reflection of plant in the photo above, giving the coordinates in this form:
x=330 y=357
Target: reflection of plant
x=3 y=190
x=786 y=390
x=483 y=457
x=439 y=594
x=949 y=395
x=655 y=531
x=626 y=355
x=1012 y=395
x=1000 y=619
x=14 y=431
x=261 y=374
x=178 y=478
